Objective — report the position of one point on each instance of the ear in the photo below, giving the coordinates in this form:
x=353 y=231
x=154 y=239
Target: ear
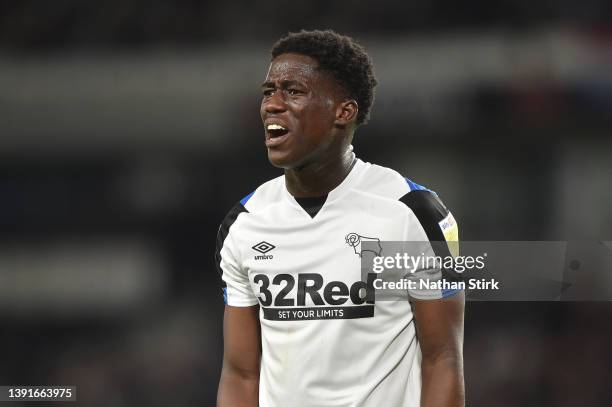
x=346 y=113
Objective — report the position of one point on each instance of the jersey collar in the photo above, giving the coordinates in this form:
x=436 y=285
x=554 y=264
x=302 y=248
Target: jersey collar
x=347 y=183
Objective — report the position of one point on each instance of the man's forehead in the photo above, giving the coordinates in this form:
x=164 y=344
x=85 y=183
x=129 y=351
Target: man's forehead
x=292 y=67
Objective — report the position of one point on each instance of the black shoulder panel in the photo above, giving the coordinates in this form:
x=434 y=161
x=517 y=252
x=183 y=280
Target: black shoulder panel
x=228 y=221
x=430 y=210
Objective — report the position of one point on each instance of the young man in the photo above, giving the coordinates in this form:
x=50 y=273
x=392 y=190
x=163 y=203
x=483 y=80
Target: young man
x=298 y=328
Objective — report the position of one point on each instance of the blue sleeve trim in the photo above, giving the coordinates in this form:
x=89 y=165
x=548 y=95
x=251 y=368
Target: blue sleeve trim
x=225 y=295
x=416 y=187
x=244 y=200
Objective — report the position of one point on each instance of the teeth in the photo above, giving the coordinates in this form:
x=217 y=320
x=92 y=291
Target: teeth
x=275 y=127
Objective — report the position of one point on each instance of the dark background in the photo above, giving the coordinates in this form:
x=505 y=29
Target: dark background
x=129 y=128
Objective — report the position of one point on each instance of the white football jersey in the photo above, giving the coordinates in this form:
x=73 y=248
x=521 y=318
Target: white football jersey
x=325 y=341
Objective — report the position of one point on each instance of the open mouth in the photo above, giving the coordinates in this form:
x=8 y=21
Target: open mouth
x=275 y=134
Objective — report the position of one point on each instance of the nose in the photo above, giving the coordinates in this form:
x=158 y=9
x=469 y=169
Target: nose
x=275 y=103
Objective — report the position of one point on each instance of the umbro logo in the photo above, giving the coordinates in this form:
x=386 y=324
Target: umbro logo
x=264 y=247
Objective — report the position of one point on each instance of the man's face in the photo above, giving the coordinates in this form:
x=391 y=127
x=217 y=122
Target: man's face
x=298 y=109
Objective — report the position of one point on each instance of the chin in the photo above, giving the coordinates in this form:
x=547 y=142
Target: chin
x=280 y=160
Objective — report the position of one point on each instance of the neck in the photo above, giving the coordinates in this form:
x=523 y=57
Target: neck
x=319 y=178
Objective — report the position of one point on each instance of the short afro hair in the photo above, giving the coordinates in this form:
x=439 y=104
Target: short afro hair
x=342 y=57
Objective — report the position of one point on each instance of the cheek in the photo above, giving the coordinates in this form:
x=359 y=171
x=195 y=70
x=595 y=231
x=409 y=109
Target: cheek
x=319 y=116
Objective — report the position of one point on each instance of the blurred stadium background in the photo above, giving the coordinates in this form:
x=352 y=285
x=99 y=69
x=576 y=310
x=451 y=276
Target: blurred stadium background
x=129 y=128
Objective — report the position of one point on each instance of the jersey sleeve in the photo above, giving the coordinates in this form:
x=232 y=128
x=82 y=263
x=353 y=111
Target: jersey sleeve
x=441 y=242
x=235 y=283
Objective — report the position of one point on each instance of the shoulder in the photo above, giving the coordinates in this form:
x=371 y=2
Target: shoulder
x=267 y=193
x=388 y=183
x=258 y=199
x=383 y=182
x=435 y=218
x=433 y=215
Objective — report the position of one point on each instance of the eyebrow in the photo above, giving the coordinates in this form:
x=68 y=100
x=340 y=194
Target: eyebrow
x=284 y=84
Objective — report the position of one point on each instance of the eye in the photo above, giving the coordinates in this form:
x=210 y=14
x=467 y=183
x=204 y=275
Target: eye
x=267 y=92
x=293 y=91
